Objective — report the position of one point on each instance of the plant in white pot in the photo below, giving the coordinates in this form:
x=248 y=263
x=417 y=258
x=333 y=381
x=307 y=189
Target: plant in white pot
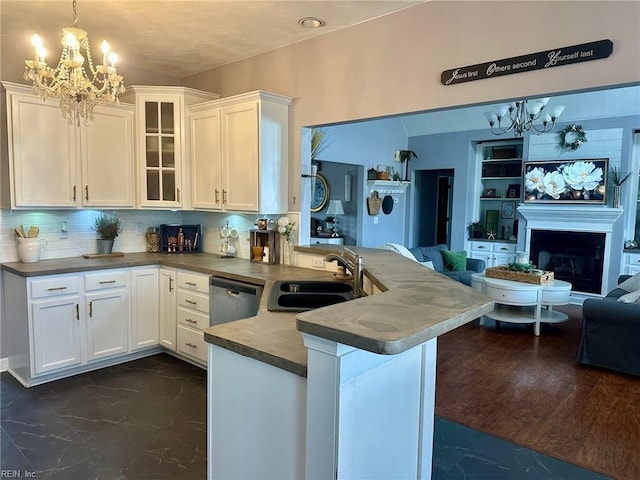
x=108 y=228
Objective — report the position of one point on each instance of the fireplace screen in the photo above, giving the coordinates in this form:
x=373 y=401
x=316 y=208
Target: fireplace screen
x=575 y=257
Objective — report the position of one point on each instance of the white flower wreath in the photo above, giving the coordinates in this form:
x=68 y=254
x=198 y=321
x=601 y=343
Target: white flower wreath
x=574 y=132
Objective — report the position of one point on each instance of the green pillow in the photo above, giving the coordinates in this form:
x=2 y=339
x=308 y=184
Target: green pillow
x=454 y=261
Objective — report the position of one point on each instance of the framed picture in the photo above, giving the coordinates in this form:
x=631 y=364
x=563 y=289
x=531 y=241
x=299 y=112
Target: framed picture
x=508 y=210
x=513 y=191
x=566 y=181
x=319 y=194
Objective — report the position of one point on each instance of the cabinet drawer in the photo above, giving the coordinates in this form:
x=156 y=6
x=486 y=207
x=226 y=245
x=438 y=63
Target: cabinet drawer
x=481 y=246
x=194 y=301
x=512 y=296
x=633 y=259
x=504 y=247
x=191 y=342
x=54 y=285
x=198 y=283
x=102 y=280
x=192 y=319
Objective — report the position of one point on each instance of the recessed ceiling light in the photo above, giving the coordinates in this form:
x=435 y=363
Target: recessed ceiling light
x=311 y=22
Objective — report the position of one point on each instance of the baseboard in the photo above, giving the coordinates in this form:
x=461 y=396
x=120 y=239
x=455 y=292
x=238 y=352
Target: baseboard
x=4 y=364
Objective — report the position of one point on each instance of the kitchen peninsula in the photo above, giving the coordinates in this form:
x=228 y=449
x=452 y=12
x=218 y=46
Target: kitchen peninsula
x=346 y=390
x=353 y=396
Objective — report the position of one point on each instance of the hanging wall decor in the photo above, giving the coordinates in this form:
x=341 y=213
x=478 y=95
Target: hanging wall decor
x=566 y=181
x=572 y=137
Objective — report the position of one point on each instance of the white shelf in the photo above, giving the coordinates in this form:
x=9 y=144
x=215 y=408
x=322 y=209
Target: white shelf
x=388 y=186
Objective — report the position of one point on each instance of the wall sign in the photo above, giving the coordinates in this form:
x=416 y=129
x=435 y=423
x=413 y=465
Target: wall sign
x=532 y=61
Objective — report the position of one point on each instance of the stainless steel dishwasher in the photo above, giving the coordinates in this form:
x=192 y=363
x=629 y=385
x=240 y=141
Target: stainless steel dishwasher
x=231 y=300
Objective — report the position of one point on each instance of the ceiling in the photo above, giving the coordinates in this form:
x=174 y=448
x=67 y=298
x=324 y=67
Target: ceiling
x=182 y=38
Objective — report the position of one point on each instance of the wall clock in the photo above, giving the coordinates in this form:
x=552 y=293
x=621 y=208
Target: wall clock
x=320 y=194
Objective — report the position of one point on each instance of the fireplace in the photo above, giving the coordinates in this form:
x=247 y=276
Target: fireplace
x=596 y=222
x=575 y=257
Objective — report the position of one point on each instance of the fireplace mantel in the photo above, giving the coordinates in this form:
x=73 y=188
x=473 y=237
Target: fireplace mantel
x=575 y=218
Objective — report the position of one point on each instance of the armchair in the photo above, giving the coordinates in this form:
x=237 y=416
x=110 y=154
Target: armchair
x=611 y=333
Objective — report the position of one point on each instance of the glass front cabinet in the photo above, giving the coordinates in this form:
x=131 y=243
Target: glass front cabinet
x=161 y=140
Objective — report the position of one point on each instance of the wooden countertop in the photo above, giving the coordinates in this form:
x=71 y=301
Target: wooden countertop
x=418 y=304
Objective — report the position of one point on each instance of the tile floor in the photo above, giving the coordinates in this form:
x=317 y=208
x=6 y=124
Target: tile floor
x=146 y=419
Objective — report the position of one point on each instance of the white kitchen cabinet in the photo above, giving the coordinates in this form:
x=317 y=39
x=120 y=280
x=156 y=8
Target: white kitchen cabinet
x=107 y=313
x=144 y=308
x=52 y=164
x=631 y=263
x=493 y=253
x=192 y=315
x=56 y=329
x=161 y=142
x=239 y=153
x=167 y=304
x=107 y=323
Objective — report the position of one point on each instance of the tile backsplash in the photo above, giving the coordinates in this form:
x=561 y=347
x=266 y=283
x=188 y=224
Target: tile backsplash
x=81 y=238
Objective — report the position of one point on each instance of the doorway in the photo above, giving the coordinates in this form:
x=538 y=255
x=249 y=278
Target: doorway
x=434 y=204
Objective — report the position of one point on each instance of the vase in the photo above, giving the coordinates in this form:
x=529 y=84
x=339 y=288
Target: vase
x=104 y=246
x=616 y=196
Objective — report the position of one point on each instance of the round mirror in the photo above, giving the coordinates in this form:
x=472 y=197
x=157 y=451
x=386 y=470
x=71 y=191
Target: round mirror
x=387 y=204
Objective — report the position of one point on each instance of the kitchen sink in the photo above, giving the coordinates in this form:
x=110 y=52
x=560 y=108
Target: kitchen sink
x=302 y=295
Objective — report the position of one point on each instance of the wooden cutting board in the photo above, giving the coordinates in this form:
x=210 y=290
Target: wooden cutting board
x=373 y=203
x=98 y=255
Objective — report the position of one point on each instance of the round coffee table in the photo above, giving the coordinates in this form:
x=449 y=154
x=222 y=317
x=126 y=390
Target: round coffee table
x=519 y=302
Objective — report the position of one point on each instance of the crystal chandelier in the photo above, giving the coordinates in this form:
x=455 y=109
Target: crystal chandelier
x=80 y=86
x=521 y=116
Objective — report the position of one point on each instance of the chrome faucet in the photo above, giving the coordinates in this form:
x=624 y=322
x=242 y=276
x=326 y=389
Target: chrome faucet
x=354 y=263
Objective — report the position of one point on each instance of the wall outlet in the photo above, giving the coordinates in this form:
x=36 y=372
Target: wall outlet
x=317 y=262
x=64 y=231
x=139 y=228
x=375 y=220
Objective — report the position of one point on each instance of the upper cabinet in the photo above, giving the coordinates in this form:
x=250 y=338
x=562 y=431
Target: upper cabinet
x=239 y=153
x=161 y=142
x=51 y=164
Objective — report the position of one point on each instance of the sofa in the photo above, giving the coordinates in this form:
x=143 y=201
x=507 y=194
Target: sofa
x=611 y=333
x=433 y=254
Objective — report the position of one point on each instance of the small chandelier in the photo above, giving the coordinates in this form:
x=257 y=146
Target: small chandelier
x=79 y=86
x=522 y=114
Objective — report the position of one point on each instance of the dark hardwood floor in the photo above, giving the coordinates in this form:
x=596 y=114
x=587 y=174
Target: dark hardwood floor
x=529 y=390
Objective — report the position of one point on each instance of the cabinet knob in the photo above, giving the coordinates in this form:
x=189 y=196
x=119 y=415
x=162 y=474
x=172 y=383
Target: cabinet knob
x=481 y=247
x=86 y=192
x=192 y=345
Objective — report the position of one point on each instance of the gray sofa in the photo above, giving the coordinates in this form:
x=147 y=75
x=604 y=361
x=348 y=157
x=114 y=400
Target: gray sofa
x=611 y=333
x=432 y=254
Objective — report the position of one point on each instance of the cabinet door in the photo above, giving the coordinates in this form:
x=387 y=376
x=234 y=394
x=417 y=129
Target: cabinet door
x=168 y=309
x=206 y=173
x=43 y=157
x=240 y=158
x=56 y=340
x=160 y=151
x=107 y=159
x=144 y=308
x=107 y=323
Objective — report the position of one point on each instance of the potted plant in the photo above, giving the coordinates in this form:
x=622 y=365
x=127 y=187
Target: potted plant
x=108 y=228
x=476 y=229
x=318 y=142
x=403 y=156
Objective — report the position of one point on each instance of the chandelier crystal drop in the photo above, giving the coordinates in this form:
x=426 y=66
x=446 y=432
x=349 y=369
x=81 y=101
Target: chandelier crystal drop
x=521 y=115
x=76 y=82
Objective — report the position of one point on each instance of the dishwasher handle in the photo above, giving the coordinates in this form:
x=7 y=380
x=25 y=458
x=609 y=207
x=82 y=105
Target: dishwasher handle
x=233 y=293
x=234 y=286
